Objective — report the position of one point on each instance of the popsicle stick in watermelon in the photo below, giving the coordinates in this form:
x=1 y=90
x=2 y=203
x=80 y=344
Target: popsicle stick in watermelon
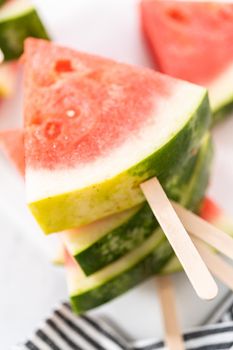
x=166 y=294
x=192 y=40
x=95 y=129
x=190 y=259
x=203 y=230
x=220 y=268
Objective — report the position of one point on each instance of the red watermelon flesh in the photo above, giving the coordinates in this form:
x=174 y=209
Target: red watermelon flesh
x=190 y=40
x=12 y=144
x=78 y=99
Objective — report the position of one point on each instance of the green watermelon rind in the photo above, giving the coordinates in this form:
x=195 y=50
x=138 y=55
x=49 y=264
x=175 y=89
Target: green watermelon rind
x=16 y=28
x=203 y=171
x=117 y=242
x=159 y=258
x=140 y=225
x=193 y=199
x=80 y=207
x=150 y=262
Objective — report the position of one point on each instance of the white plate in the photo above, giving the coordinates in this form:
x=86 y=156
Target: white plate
x=29 y=285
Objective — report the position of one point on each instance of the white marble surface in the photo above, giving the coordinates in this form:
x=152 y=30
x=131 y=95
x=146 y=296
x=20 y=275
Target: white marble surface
x=29 y=284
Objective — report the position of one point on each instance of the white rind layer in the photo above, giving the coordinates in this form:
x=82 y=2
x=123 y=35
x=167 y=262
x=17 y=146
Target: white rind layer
x=221 y=89
x=77 y=240
x=170 y=115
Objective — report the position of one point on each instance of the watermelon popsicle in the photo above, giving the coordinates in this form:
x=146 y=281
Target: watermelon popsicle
x=108 y=110
x=193 y=41
x=96 y=129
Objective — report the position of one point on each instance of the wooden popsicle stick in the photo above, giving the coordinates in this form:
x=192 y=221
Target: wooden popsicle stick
x=193 y=265
x=220 y=268
x=203 y=230
x=1 y=56
x=173 y=337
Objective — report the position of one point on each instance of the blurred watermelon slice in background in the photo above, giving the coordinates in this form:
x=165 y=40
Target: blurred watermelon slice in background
x=193 y=41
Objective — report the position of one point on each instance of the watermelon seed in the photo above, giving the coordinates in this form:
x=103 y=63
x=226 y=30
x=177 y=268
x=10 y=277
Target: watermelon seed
x=52 y=130
x=63 y=66
x=177 y=15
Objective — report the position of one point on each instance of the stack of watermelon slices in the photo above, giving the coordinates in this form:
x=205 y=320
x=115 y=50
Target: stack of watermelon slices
x=94 y=130
x=18 y=20
x=86 y=153
x=192 y=40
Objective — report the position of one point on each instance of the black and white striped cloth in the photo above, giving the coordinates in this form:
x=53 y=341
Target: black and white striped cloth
x=65 y=331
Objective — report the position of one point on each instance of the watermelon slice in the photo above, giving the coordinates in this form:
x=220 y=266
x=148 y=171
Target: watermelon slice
x=193 y=41
x=12 y=144
x=18 y=20
x=95 y=129
x=117 y=278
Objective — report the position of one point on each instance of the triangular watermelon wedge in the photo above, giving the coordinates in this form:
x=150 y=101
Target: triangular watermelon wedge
x=193 y=41
x=95 y=129
x=12 y=144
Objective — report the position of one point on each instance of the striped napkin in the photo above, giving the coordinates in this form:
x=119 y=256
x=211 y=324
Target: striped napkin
x=66 y=331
